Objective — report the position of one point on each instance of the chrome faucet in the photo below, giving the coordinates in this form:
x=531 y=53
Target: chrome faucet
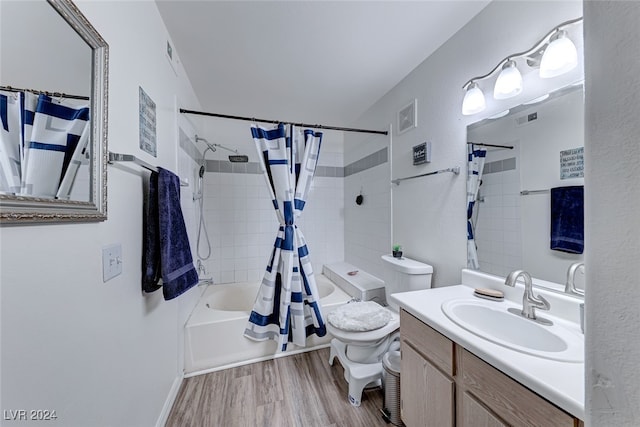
x=570 y=286
x=202 y=270
x=529 y=301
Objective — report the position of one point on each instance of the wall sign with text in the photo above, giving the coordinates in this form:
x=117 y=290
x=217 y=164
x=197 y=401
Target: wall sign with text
x=422 y=153
x=148 y=141
x=572 y=163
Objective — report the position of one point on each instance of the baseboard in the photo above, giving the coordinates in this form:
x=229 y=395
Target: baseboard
x=168 y=404
x=255 y=360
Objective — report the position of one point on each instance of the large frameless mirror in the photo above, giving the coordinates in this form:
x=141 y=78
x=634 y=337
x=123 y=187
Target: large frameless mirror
x=53 y=106
x=536 y=147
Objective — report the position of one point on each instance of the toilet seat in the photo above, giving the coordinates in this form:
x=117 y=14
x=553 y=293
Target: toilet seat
x=368 y=336
x=359 y=316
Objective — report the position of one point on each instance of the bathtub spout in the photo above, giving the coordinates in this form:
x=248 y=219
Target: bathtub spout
x=205 y=281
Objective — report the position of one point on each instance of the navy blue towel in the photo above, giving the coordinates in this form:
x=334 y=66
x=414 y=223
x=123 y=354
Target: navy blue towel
x=166 y=236
x=151 y=238
x=567 y=219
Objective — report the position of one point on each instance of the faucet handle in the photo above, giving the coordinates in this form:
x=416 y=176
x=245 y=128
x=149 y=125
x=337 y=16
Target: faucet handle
x=539 y=302
x=570 y=285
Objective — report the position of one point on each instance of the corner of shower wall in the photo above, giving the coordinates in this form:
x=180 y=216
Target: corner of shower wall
x=368 y=225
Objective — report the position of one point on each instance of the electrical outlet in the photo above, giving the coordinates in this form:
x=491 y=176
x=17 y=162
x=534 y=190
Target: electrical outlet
x=111 y=261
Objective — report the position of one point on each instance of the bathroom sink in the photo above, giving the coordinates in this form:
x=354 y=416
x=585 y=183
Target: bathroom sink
x=490 y=320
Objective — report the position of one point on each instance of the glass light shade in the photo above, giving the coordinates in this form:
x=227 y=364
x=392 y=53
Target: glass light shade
x=473 y=101
x=536 y=100
x=500 y=114
x=559 y=57
x=509 y=82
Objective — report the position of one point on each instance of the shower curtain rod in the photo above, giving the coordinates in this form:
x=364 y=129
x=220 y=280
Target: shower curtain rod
x=307 y=125
x=510 y=147
x=54 y=94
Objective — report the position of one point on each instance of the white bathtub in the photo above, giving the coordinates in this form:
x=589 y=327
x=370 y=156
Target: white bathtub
x=214 y=332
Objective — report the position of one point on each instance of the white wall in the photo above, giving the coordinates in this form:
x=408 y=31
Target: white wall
x=26 y=64
x=429 y=214
x=612 y=204
x=367 y=226
x=100 y=354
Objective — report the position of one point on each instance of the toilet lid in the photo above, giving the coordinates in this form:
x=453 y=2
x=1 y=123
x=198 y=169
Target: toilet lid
x=359 y=316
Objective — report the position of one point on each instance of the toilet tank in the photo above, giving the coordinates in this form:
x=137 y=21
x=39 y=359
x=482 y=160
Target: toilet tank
x=405 y=274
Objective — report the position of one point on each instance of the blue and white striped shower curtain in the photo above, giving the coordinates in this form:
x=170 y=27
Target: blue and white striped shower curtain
x=287 y=306
x=474 y=176
x=38 y=139
x=11 y=112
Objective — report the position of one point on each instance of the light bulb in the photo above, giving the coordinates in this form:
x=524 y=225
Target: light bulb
x=559 y=57
x=473 y=101
x=509 y=82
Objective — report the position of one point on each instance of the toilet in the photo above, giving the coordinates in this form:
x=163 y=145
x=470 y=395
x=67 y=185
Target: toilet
x=361 y=335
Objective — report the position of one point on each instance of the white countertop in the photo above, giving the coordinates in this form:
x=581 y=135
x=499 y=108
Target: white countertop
x=562 y=383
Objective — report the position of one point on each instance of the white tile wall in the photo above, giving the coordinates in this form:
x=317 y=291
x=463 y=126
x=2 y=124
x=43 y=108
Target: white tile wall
x=498 y=235
x=242 y=224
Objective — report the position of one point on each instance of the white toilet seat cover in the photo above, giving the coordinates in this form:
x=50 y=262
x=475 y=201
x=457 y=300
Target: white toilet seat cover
x=359 y=316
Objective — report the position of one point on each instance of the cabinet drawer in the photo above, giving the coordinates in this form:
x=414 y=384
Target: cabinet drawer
x=508 y=399
x=427 y=341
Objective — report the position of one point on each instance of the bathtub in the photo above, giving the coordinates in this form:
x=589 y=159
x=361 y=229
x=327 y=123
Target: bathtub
x=214 y=337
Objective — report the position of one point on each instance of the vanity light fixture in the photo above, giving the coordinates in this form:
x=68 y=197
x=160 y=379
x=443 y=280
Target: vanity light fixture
x=559 y=57
x=555 y=54
x=473 y=100
x=509 y=82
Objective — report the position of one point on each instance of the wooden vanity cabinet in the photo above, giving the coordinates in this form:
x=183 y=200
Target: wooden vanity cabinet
x=504 y=400
x=427 y=391
x=442 y=384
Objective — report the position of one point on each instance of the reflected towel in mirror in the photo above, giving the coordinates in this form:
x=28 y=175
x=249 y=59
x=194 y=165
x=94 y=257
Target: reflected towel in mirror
x=567 y=219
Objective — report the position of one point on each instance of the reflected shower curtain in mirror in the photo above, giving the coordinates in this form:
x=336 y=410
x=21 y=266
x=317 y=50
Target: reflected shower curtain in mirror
x=287 y=306
x=474 y=176
x=11 y=112
x=42 y=143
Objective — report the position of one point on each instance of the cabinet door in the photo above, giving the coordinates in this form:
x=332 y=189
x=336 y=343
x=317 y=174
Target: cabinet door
x=505 y=397
x=426 y=393
x=476 y=415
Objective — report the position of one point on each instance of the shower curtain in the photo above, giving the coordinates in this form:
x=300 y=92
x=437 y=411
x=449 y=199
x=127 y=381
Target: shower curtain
x=286 y=308
x=476 y=160
x=11 y=108
x=38 y=139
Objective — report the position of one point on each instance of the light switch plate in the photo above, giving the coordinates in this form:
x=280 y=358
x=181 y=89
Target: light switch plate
x=111 y=261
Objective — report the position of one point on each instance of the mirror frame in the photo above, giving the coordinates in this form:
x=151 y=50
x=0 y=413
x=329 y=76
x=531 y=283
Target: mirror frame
x=22 y=209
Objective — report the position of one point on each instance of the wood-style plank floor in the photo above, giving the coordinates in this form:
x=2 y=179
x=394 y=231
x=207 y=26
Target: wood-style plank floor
x=301 y=390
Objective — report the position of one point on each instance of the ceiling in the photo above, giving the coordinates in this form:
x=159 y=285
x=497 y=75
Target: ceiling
x=321 y=62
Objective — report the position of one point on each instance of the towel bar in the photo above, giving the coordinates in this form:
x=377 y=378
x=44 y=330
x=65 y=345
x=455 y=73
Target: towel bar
x=119 y=157
x=528 y=192
x=455 y=170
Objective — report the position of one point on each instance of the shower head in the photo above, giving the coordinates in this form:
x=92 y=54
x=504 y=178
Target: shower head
x=239 y=158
